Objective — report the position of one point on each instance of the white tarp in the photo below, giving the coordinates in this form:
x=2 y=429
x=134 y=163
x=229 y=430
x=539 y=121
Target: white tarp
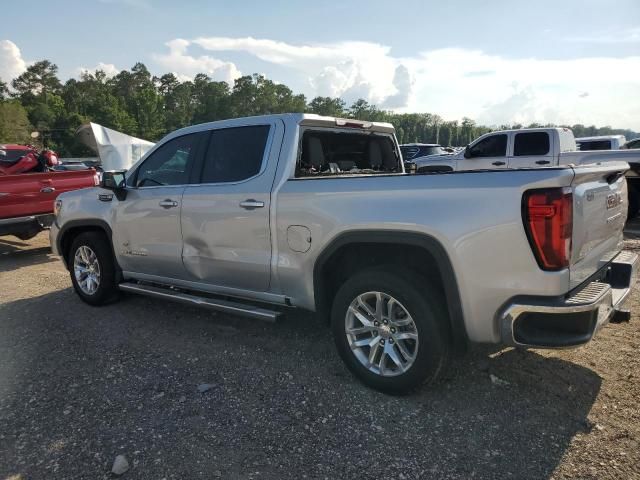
x=117 y=151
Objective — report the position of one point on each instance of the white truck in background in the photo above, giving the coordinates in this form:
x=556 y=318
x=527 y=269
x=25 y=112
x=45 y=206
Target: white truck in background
x=532 y=148
x=601 y=142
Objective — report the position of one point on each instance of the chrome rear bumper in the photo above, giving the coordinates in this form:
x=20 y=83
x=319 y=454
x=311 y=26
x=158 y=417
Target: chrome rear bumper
x=572 y=320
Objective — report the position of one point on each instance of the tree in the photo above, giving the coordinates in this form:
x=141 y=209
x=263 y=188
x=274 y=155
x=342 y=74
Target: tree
x=39 y=80
x=139 y=104
x=332 y=107
x=14 y=123
x=4 y=91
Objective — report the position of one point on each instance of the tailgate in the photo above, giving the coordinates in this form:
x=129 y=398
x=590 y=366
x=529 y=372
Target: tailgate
x=599 y=215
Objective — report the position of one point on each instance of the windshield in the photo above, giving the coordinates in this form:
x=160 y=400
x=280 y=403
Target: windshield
x=11 y=155
x=414 y=151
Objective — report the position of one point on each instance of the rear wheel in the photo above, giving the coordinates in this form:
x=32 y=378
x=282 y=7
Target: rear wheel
x=92 y=269
x=390 y=329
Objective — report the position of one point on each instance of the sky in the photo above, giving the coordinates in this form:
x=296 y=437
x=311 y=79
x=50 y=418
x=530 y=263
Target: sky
x=495 y=61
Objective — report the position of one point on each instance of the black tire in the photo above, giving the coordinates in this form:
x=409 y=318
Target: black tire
x=422 y=301
x=634 y=201
x=107 y=290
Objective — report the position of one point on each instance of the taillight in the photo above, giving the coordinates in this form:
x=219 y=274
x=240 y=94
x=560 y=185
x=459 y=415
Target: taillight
x=548 y=220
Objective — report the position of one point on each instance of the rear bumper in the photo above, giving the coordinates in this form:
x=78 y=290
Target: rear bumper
x=573 y=320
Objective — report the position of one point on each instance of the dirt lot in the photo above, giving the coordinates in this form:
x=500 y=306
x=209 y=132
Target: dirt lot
x=80 y=385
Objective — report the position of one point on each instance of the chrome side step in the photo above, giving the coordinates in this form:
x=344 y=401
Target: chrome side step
x=205 y=302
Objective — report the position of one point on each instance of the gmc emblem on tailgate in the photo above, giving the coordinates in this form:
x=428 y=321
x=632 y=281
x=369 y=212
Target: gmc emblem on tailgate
x=613 y=200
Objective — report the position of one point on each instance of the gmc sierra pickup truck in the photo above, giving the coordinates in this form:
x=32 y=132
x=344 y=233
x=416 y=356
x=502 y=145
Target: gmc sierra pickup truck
x=256 y=215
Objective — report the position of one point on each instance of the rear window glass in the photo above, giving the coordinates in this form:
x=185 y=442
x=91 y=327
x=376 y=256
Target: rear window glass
x=595 y=145
x=324 y=153
x=533 y=143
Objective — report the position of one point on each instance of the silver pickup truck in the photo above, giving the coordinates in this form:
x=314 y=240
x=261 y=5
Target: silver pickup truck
x=256 y=215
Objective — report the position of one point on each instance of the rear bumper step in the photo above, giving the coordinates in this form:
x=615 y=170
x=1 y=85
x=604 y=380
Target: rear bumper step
x=219 y=305
x=544 y=322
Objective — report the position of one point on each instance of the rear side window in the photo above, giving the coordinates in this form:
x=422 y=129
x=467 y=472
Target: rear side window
x=235 y=154
x=170 y=164
x=326 y=153
x=595 y=145
x=493 y=146
x=533 y=143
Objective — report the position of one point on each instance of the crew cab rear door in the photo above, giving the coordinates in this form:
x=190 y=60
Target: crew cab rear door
x=531 y=150
x=225 y=218
x=599 y=215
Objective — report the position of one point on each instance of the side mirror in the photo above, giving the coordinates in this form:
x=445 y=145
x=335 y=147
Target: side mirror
x=114 y=180
x=467 y=152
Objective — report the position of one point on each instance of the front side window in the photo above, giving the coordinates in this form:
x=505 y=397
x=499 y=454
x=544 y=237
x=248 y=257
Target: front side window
x=235 y=154
x=170 y=164
x=534 y=143
x=493 y=146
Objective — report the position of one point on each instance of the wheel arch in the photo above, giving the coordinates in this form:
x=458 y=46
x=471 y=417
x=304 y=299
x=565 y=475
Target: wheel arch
x=370 y=245
x=70 y=230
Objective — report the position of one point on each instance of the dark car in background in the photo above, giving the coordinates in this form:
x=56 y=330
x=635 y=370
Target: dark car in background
x=411 y=152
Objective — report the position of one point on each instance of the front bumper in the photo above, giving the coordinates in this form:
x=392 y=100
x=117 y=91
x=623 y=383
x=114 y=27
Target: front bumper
x=53 y=238
x=572 y=320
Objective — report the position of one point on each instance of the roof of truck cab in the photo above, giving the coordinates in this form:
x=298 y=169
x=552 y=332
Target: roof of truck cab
x=529 y=130
x=601 y=137
x=305 y=119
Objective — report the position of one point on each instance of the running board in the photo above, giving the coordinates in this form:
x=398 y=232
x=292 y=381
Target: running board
x=205 y=302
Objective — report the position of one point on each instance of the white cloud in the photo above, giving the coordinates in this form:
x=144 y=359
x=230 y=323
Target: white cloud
x=141 y=4
x=347 y=69
x=629 y=35
x=186 y=66
x=497 y=90
x=11 y=62
x=451 y=82
x=108 y=68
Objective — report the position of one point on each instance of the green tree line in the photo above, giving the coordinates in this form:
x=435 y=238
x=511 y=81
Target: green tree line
x=146 y=106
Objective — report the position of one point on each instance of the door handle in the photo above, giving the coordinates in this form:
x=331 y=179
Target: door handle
x=543 y=162
x=498 y=163
x=168 y=203
x=47 y=190
x=250 y=204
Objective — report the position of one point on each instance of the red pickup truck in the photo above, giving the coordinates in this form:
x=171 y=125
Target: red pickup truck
x=29 y=183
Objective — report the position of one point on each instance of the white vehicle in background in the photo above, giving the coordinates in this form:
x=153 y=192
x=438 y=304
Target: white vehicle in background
x=533 y=148
x=422 y=152
x=601 y=142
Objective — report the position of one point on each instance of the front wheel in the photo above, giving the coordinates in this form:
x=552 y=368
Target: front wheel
x=390 y=328
x=92 y=269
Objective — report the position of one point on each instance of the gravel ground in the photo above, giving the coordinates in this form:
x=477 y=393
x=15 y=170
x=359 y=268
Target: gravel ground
x=81 y=385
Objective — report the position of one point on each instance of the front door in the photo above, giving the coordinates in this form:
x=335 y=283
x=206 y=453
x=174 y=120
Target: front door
x=225 y=217
x=489 y=153
x=146 y=227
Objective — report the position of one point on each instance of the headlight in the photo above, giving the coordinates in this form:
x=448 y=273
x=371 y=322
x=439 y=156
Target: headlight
x=57 y=206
